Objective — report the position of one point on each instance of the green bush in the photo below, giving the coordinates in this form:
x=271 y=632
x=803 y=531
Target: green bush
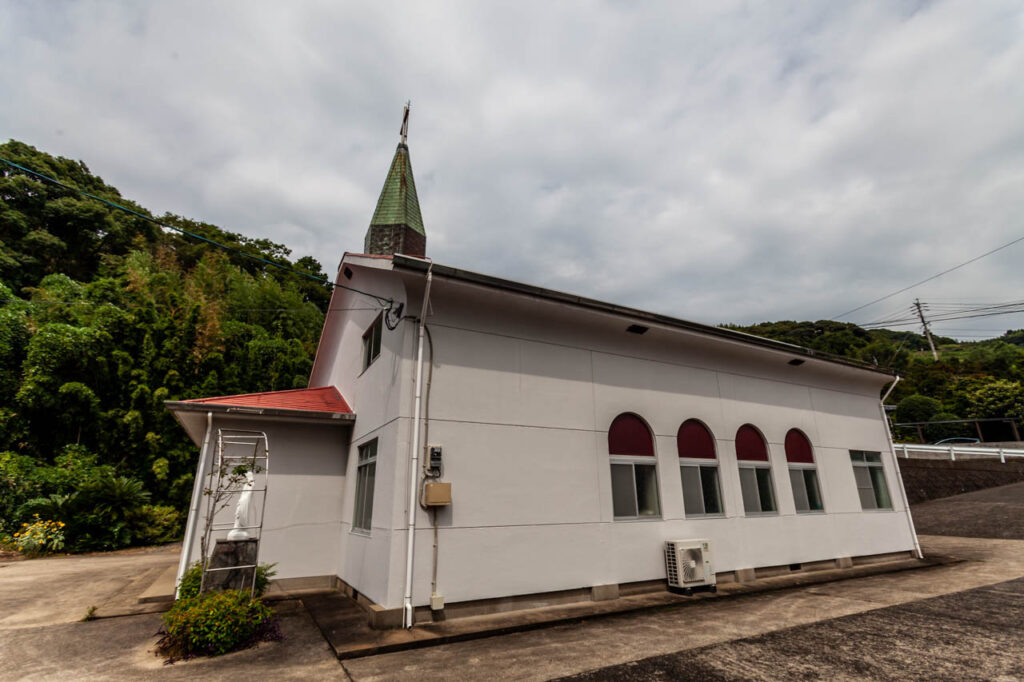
x=215 y=623
x=153 y=524
x=936 y=432
x=193 y=577
x=917 y=408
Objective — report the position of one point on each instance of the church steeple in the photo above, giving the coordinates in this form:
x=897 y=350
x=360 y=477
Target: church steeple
x=397 y=226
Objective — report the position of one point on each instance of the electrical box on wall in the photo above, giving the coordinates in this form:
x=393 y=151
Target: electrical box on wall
x=434 y=460
x=437 y=494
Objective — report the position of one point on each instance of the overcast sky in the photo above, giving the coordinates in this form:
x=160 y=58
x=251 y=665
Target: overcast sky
x=723 y=162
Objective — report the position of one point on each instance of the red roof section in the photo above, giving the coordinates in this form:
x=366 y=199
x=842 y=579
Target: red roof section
x=323 y=399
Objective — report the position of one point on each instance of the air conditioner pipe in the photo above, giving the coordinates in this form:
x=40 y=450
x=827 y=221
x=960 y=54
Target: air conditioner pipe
x=193 y=512
x=414 y=456
x=899 y=474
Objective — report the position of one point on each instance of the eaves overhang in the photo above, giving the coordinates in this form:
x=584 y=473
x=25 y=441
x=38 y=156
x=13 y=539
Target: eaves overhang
x=250 y=411
x=400 y=261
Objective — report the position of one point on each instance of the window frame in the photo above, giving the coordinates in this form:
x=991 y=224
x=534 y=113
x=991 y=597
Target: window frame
x=757 y=465
x=644 y=454
x=878 y=466
x=372 y=341
x=633 y=461
x=699 y=464
x=802 y=467
x=366 y=470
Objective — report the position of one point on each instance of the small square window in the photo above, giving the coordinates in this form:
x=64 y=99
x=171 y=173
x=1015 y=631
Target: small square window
x=757 y=489
x=701 y=492
x=870 y=478
x=634 y=490
x=371 y=341
x=806 y=492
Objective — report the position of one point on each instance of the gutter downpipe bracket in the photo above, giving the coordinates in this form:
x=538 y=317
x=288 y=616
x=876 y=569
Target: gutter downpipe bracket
x=193 y=512
x=407 y=609
x=899 y=474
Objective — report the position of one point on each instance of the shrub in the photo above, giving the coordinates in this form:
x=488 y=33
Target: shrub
x=936 y=432
x=42 y=536
x=916 y=408
x=153 y=524
x=193 y=577
x=215 y=623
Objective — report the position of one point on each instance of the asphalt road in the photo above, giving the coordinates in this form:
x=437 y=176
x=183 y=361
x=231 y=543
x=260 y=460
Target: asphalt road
x=972 y=635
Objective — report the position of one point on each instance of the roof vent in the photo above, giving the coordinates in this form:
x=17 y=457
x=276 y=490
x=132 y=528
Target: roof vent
x=796 y=362
x=637 y=329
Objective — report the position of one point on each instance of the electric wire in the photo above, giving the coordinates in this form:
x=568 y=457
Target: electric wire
x=928 y=279
x=384 y=302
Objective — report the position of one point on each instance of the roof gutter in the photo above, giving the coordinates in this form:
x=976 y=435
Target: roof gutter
x=245 y=410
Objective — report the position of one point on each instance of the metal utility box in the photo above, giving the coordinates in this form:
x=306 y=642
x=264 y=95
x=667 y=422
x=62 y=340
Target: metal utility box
x=437 y=494
x=688 y=565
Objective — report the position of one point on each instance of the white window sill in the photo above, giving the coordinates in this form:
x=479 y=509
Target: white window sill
x=638 y=518
x=755 y=515
x=810 y=511
x=360 y=532
x=704 y=516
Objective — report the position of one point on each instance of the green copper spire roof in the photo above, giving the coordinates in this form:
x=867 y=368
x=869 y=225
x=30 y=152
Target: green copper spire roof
x=398 y=204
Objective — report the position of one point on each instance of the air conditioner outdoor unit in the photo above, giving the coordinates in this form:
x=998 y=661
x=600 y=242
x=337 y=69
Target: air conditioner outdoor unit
x=688 y=565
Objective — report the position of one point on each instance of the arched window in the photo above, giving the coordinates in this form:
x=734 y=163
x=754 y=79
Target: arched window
x=802 y=473
x=755 y=471
x=634 y=470
x=698 y=467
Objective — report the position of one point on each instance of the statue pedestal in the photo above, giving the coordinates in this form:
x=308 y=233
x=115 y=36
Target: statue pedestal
x=227 y=554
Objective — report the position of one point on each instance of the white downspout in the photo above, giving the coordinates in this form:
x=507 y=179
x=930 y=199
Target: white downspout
x=414 y=459
x=899 y=475
x=193 y=512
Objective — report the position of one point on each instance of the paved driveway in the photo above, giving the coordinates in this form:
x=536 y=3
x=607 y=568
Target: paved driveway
x=931 y=615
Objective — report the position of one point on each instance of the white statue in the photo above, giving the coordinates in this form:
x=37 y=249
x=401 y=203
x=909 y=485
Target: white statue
x=244 y=516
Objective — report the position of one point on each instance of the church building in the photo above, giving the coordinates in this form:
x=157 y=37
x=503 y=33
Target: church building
x=469 y=444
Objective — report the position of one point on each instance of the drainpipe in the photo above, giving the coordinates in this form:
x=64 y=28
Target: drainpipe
x=899 y=476
x=414 y=457
x=193 y=512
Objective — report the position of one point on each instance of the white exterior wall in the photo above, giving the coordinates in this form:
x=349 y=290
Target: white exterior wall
x=373 y=564
x=523 y=392
x=303 y=513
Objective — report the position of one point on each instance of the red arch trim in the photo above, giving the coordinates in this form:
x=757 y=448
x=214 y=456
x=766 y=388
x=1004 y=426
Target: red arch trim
x=750 y=446
x=798 y=448
x=629 y=435
x=695 y=440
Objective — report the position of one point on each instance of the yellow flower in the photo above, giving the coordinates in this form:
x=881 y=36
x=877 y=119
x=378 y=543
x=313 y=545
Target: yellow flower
x=61 y=524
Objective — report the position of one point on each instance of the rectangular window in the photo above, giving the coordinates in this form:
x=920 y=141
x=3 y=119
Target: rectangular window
x=757 y=489
x=806 y=492
x=701 y=492
x=371 y=342
x=870 y=477
x=366 y=471
x=634 y=489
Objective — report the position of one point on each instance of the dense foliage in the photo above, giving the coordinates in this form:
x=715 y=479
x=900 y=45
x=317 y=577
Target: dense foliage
x=103 y=317
x=981 y=379
x=215 y=623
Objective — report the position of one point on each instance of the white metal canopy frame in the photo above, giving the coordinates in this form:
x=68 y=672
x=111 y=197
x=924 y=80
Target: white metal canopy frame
x=240 y=472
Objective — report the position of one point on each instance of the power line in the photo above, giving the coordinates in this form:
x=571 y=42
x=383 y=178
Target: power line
x=928 y=279
x=385 y=302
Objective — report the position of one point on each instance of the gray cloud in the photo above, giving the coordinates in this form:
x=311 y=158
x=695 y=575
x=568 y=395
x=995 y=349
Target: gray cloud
x=720 y=162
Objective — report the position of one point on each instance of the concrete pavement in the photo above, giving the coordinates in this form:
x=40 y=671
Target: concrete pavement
x=42 y=600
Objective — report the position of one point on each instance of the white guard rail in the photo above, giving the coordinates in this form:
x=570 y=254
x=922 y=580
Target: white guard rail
x=954 y=452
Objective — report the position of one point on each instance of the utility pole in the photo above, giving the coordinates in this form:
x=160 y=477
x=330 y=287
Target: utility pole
x=927 y=332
